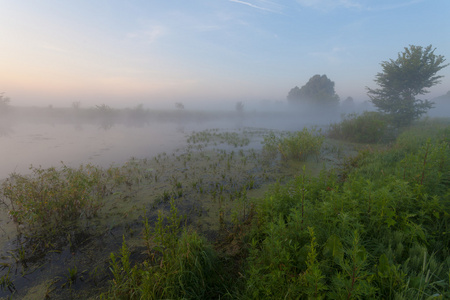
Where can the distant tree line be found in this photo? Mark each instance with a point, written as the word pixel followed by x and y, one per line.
pixel 4 103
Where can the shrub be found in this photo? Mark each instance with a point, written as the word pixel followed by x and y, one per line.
pixel 369 127
pixel 295 145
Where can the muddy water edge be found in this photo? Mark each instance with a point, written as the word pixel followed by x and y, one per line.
pixel 213 180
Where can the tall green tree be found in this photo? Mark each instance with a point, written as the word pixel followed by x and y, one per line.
pixel 318 91
pixel 403 79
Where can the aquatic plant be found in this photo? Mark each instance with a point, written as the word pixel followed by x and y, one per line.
pixel 5 280
pixel 180 264
pixel 49 198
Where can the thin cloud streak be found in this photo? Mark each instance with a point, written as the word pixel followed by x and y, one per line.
pixel 328 5
pixel 393 6
pixel 255 6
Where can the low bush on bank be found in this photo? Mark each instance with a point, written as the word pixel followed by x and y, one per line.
pixel 368 127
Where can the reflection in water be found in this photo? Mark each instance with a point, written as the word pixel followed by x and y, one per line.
pixel 5 130
pixel 106 124
pixel 45 145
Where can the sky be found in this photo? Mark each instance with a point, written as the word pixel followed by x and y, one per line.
pixel 206 52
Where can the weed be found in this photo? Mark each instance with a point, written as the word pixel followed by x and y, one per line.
pixel 298 145
pixel 5 280
pixel 51 197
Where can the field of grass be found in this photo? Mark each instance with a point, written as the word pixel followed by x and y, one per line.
pixel 300 216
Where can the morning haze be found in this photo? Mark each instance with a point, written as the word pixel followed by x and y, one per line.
pixel 243 149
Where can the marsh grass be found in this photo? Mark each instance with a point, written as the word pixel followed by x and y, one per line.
pixel 49 198
pixel 180 264
pixel 5 280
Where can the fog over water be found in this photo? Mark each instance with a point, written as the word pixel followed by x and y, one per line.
pixel 101 135
pixel 46 145
pixel 48 141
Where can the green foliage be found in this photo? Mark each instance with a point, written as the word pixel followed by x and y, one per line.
pixel 353 280
pixel 294 145
pixel 313 279
pixel 180 265
pixel 49 198
pixel 380 232
pixel 368 127
pixel 405 78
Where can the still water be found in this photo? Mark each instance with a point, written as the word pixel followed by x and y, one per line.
pixel 48 145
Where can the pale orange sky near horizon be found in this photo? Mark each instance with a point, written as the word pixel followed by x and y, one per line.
pixel 125 53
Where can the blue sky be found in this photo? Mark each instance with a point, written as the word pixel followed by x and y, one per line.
pixel 218 51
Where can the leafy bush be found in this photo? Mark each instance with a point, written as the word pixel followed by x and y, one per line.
pixel 294 145
pixel 369 127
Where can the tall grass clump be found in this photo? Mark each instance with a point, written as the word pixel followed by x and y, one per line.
pixel 49 198
pixel 180 265
pixel 379 232
pixel 294 145
pixel 368 127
